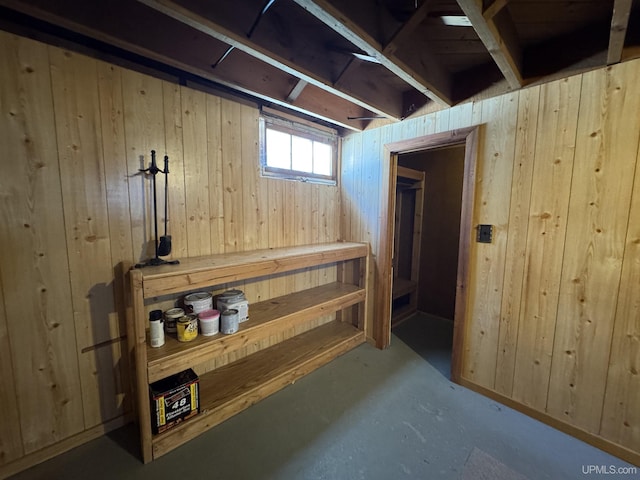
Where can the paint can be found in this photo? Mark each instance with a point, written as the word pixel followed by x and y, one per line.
pixel 187 327
pixel 198 302
pixel 234 300
pixel 209 322
pixel 171 316
pixel 229 321
pixel 156 328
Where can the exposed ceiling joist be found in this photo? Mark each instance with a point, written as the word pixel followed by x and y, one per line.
pixel 332 17
pixel 407 28
pixel 619 25
pixel 493 9
pixel 498 36
pixel 239 41
pixel 296 91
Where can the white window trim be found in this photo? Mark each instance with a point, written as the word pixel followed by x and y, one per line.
pixel 294 127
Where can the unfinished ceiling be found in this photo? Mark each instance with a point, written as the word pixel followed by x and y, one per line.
pixel 347 61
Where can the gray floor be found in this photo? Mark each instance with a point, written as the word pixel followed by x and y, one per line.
pixel 370 414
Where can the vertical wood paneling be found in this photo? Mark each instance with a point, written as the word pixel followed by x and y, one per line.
pixel 216 185
pixel 10 434
pixel 144 131
pixel 598 215
pixel 231 114
pixel 516 243
pixel 35 275
pixel 82 176
pixel 621 415
pixel 173 131
pixel 493 191
pixel 75 209
pixel 255 200
pixel 194 138
pixel 554 154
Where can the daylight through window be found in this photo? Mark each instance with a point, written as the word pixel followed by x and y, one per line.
pixel 297 151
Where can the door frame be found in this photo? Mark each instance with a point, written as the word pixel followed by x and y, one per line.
pixel 469 138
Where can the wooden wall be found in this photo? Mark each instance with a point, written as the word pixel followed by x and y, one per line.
pixel 553 316
pixel 74 132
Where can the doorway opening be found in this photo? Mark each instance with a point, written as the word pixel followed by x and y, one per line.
pixel 401 155
pixel 425 253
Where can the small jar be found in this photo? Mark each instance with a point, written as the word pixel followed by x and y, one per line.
pixel 187 327
pixel 171 316
pixel 209 322
pixel 229 321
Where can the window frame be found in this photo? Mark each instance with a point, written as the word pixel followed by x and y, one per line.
pixel 297 128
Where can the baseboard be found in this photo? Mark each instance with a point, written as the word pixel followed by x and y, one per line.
pixel 65 445
pixel 597 441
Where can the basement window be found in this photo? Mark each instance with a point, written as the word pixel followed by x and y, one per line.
pixel 294 150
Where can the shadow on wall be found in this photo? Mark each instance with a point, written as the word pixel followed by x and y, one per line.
pixel 108 354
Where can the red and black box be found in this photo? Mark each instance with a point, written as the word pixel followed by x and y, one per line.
pixel 173 400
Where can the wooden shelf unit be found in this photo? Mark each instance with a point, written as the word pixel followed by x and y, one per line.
pixel 231 388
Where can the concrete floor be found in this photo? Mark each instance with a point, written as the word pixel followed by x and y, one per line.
pixel 371 415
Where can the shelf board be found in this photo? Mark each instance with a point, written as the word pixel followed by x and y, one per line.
pixel 234 387
pixel 265 318
pixel 201 272
pixel 403 286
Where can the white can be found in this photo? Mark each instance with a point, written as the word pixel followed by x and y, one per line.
pixel 209 322
pixel 198 302
pixel 229 321
pixel 156 328
pixel 234 300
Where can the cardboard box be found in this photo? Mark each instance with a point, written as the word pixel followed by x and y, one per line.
pixel 173 400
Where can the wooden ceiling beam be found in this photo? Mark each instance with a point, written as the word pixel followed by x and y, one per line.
pixel 407 28
pixel 230 74
pixel 340 23
pixel 619 25
pixel 498 36
pixel 493 9
pixel 241 42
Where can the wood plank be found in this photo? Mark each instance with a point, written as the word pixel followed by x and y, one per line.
pixel 232 175
pixel 119 219
pixel 516 244
pixel 82 176
pixel 401 36
pixel 144 131
pixel 620 414
pixel 553 164
pixel 231 389
pixel 10 435
pixel 196 167
pixel 607 146
pixel 496 35
pixel 493 9
pixel 35 275
pixel 619 25
pixel 267 318
pixel 493 194
pixel 200 272
pixel 240 41
pixel 138 338
pixel 337 20
pixel 173 131
pixel 215 161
